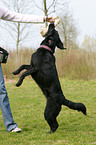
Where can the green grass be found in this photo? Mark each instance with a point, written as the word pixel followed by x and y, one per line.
pixel 28 103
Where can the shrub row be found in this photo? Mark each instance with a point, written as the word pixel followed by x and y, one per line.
pixel 71 64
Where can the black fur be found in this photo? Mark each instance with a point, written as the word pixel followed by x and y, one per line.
pixel 43 70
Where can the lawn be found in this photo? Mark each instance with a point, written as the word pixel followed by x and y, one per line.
pixel 28 103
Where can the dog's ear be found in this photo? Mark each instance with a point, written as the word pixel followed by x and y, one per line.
pixel 59 43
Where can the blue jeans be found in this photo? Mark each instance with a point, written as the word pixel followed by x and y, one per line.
pixel 5 106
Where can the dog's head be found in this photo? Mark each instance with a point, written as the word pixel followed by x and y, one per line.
pixel 52 38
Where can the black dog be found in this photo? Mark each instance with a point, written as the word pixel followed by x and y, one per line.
pixel 43 70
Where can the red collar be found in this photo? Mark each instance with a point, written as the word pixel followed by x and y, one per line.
pixel 46 47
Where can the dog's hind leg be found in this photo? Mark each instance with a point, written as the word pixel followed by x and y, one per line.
pixel 72 105
pixel 22 67
pixel 26 73
pixel 51 112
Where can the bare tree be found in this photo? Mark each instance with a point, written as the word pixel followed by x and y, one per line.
pixel 17 30
pixel 49 7
pixel 89 43
pixel 68 29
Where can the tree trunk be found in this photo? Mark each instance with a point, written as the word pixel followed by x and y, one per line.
pixel 18 38
pixel 45 11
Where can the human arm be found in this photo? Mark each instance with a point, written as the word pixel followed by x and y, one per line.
pixel 8 15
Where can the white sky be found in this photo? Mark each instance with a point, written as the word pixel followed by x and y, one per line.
pixel 84 11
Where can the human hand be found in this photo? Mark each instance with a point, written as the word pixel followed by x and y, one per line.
pixel 49 19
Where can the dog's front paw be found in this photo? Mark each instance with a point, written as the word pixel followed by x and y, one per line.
pixel 18 84
pixel 14 73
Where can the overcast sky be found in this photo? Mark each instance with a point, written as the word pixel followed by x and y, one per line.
pixel 84 11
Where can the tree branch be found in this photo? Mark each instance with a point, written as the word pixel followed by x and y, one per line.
pixel 37 5
pixel 51 4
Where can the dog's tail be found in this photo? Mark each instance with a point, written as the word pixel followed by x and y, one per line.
pixel 75 106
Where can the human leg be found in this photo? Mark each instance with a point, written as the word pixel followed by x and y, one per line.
pixel 5 106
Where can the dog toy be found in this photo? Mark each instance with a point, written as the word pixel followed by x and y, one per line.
pixel 43 30
pixel 56 21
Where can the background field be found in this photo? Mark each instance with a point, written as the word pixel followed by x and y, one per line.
pixel 28 103
pixel 71 64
